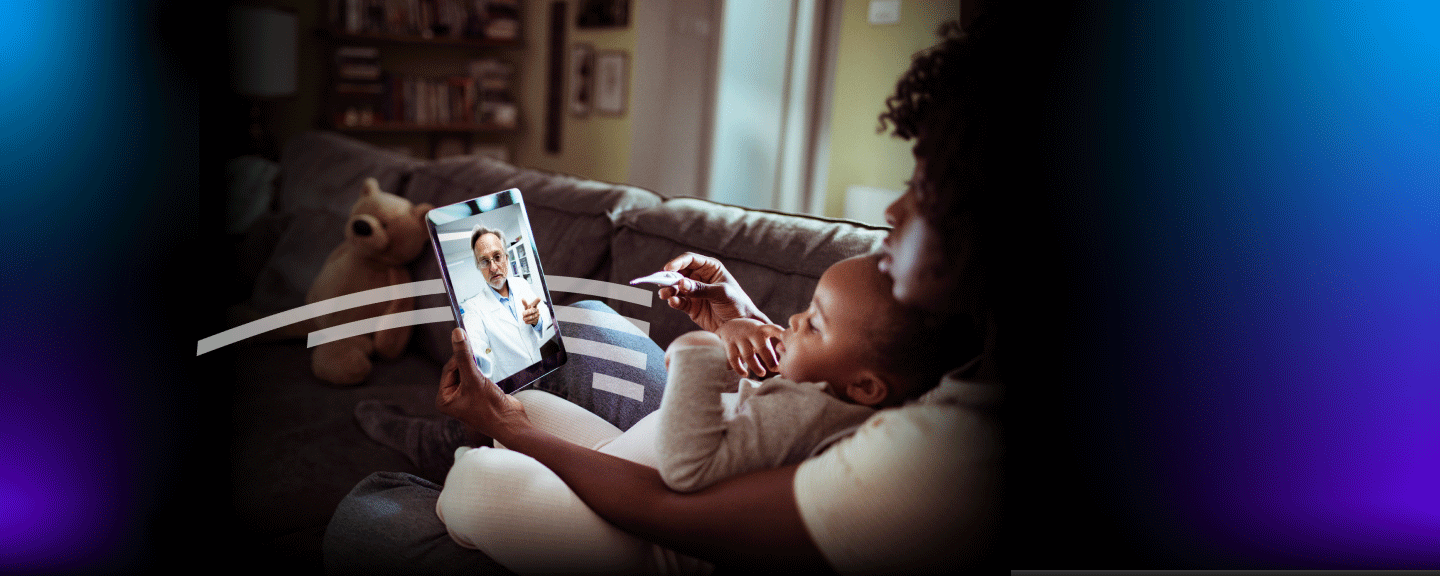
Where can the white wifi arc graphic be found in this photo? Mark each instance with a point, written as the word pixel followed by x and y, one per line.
pixel 444 314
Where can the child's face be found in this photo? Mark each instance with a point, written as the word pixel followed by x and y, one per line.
pixel 828 342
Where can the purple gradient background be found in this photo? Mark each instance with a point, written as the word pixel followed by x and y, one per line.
pixel 1262 281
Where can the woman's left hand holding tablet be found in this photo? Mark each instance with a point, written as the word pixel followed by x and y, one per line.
pixel 468 396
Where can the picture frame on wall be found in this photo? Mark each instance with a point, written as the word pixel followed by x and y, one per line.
pixel 603 14
pixel 582 79
pixel 612 81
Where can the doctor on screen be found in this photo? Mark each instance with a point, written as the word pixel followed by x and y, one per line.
pixel 505 320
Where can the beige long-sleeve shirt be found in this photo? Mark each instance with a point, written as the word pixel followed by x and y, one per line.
pixel 714 424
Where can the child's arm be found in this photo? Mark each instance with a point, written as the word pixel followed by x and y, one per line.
pixel 692 427
pixel 697 446
pixel 749 344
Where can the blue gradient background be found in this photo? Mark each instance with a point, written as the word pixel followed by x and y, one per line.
pixel 97 161
pixel 1261 256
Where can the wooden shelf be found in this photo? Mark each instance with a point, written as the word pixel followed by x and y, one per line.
pixel 439 41
pixel 406 127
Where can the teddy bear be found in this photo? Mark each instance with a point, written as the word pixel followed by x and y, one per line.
pixel 383 234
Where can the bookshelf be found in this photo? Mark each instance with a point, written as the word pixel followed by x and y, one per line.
pixel 431 77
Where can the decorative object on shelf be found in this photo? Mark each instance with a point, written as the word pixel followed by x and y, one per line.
pixel 611 82
pixel 502 19
pixel 359 86
pixel 603 14
pixel 582 79
pixel 495 104
pixel 263 52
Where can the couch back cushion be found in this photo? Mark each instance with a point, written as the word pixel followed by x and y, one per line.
pixel 778 258
pixel 573 221
pixel 321 176
pixel 327 171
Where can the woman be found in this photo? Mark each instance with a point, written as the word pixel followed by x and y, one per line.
pixel 917 488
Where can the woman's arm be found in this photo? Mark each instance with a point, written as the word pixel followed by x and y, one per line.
pixel 747 522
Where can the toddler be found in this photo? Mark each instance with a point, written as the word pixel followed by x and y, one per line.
pixel 853 351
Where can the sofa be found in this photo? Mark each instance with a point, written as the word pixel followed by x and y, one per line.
pixel 295 450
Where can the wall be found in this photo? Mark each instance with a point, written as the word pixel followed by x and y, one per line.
pixel 595 147
pixel 869 60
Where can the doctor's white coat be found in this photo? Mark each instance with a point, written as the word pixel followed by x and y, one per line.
pixel 502 344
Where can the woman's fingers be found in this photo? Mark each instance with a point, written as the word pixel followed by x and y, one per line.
pixel 680 263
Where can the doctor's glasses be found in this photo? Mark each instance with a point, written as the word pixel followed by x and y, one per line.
pixel 494 258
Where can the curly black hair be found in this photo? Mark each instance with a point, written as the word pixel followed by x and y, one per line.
pixel 963 104
pixel 944 102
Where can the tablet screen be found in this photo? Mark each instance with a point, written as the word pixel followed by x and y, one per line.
pixel 497 287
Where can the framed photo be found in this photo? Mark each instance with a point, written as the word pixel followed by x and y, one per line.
pixel 582 79
pixel 603 14
pixel 612 81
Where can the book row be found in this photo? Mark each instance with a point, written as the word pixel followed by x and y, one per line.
pixel 447 100
pixel 471 19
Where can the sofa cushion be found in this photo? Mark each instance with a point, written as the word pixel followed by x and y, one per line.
pixel 778 258
pixel 327 171
pixel 322 174
pixel 298 256
pixel 573 220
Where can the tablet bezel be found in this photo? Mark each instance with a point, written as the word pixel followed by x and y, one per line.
pixel 481 205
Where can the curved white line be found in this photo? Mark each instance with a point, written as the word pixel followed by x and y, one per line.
pixel 423 288
pixel 321 308
pixel 378 323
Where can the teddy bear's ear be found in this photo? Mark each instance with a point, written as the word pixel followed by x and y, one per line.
pixel 372 187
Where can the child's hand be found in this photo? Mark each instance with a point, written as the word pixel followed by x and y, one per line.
pixel 748 343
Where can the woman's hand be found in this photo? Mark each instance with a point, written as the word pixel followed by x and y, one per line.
pixel 713 297
pixel 748 344
pixel 468 396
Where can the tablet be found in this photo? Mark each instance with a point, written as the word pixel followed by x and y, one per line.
pixel 497 287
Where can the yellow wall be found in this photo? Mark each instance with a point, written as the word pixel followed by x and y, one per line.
pixel 869 60
pixel 595 147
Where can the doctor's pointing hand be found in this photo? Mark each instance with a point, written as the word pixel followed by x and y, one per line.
pixel 531 315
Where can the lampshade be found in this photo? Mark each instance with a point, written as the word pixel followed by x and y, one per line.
pixel 262 51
